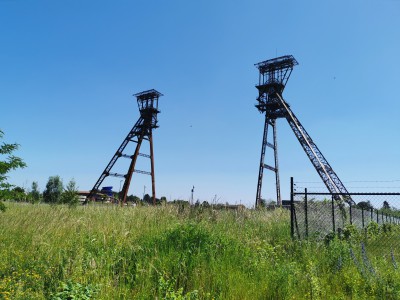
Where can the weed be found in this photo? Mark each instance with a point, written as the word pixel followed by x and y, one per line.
pixel 165 252
pixel 2 206
pixel 72 290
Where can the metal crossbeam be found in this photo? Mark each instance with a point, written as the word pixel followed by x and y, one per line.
pixel 142 172
pixel 117 175
pixel 269 168
pixel 270 145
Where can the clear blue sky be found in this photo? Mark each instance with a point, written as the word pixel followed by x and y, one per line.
pixel 69 69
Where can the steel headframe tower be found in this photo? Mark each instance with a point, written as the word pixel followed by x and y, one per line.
pixel 273 76
pixel 142 130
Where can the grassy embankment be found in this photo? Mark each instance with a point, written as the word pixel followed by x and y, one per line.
pixel 164 252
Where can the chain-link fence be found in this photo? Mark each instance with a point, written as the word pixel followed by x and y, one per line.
pixel 354 231
pixel 316 215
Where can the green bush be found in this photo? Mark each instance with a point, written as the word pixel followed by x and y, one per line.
pixel 167 291
pixel 331 236
pixel 351 233
pixel 2 206
pixel 70 194
pixel 388 228
pixel 72 290
pixel 372 229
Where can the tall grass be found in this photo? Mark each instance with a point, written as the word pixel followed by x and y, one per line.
pixel 109 252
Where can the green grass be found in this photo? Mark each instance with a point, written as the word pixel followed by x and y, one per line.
pixel 109 252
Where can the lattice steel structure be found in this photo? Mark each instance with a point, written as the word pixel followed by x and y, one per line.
pixel 142 130
pixel 273 76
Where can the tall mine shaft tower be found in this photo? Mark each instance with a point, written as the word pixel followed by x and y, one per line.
pixel 273 76
pixel 142 131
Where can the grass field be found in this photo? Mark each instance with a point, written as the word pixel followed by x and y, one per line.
pixel 166 252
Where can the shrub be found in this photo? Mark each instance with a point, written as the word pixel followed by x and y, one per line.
pixel 351 233
pixel 73 290
pixel 329 237
pixel 387 228
pixel 70 194
pixel 53 191
pixel 372 229
pixel 2 207
pixel 167 291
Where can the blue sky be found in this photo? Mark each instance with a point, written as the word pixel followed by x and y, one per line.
pixel 69 69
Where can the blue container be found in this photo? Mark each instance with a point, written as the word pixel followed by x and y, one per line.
pixel 107 190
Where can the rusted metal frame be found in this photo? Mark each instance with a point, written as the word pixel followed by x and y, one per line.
pixel 153 179
pixel 261 166
pixel 131 169
pixel 277 181
pixel 113 160
pixel 321 165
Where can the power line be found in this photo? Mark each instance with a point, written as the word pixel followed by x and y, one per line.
pixel 353 181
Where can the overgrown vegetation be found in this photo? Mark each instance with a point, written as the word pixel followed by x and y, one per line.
pixel 8 162
pixel 175 252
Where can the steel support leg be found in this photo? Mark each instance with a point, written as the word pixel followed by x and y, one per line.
pixel 153 179
pixel 131 169
pixel 277 181
pixel 261 167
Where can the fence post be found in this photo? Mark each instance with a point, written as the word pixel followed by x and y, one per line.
pixel 362 216
pixel 291 208
pixel 377 216
pixel 372 214
pixel 306 211
pixel 333 215
pixel 351 215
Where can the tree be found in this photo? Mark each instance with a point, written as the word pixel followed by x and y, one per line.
pixel 70 195
pixel 386 205
pixel 263 203
pixel 53 191
pixel 34 195
pixel 205 204
pixel 133 199
pixel 163 200
pixel 8 162
pixel 364 205
pixel 147 199
pixel 18 194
